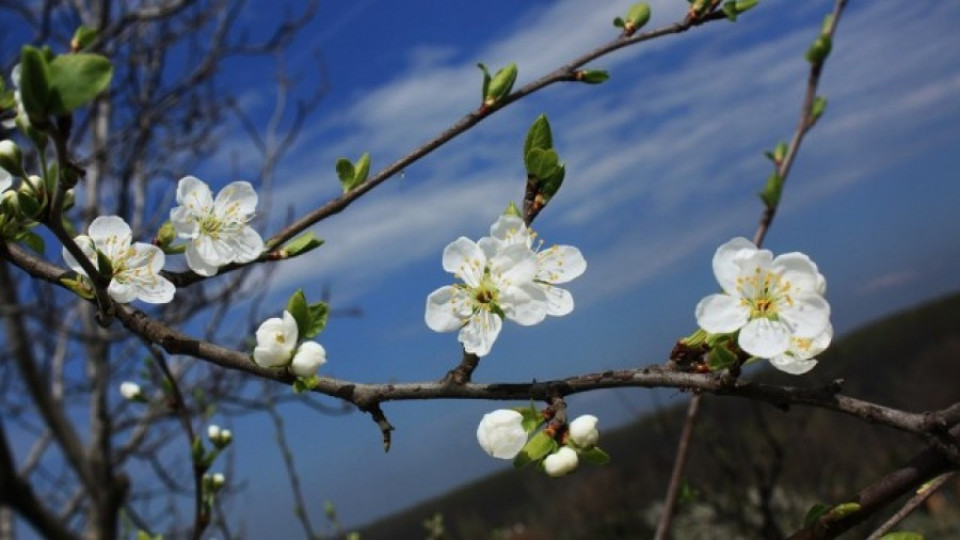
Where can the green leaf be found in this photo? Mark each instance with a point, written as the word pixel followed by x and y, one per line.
pixel 104 264
pixel 538 136
pixel 551 184
pixel 34 82
pixel 512 210
pixel 486 82
pixel 541 163
pixel 844 509
pixel 744 6
pixel 345 172
pixel 537 448
pixel 304 243
pixel 362 169
pixel 501 84
pixel 593 76
pixel 33 241
pixel 638 15
pixel 819 50
pixel 818 107
pixel 29 205
pixel 75 79
pixel 532 419
pixel 730 10
pixel 772 191
pixel 595 456
pixel 902 535
pixel 618 22
pixel 814 514
pixel 721 358
pixel 319 314
pixel 79 286
pixel 197 451
pixel 83 38
pixel 297 306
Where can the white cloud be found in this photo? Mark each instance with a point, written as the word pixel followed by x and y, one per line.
pixel 669 139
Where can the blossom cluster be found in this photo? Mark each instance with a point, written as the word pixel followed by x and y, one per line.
pixel 505 276
pixel 276 342
pixel 776 305
pixel 503 435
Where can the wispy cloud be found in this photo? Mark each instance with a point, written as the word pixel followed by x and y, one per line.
pixel 691 135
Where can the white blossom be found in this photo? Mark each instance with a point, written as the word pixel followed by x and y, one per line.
pixel 130 390
pixel 217 229
pixel 276 340
pixel 501 433
pixel 21 112
pixel 135 265
pixel 563 461
pixel 583 431
pixel 800 357
pixel 309 357
pixel 213 432
pixel 495 286
pixel 6 180
pixel 555 265
pixel 769 300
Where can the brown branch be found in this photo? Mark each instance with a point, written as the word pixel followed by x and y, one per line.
pixel 679 464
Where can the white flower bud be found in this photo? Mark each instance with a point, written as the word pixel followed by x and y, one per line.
pixel 501 433
pixel 225 436
pixel 561 462
pixel 310 356
pixel 213 432
pixel 583 431
pixel 276 339
pixel 11 158
pixel 130 390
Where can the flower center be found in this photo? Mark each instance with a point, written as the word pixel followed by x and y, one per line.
pixel 486 293
pixel 763 292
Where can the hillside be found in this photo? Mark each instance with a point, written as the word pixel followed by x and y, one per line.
pixel 754 469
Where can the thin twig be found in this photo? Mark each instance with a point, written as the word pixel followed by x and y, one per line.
pixel 908 507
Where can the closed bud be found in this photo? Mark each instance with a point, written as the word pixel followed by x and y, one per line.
pixel 500 84
pixel 637 16
pixel 583 431
pixel 820 49
pixel 130 390
pixel 563 461
pixel 11 158
pixel 166 235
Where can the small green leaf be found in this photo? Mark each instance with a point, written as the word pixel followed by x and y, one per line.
pixel 637 16
pixel 29 205
pixel 539 135
pixel 486 82
pixel 844 509
pixel 551 185
pixel 304 243
pixel 538 447
pixel 76 79
pixel 542 164
pixel 512 210
pixel 818 107
pixel 819 50
pixel 305 384
pixel 83 38
pixel 744 6
pixel 902 535
pixel 595 456
pixel 730 10
pixel 772 191
pixel 34 82
pixel 104 264
pixel 345 172
pixel 197 451
pixel 532 419
pixel 593 76
pixel 501 84
pixel 298 308
pixel 33 241
pixel 79 286
pixel 618 22
pixel 362 169
pixel 814 514
pixel 319 314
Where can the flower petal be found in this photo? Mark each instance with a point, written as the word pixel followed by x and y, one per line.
pixel 480 332
pixel 510 230
pixel 271 355
pixel 799 271
pixel 525 305
pixel 5 179
pixel 464 259
pixel 194 194
pixel 196 262
pixel 501 433
pixel 721 313
pixel 560 264
pixel 85 243
pixel 310 356
pixel 791 364
pixel 239 197
pixel 121 293
pixel 725 266
pixel 514 265
pixel 445 309
pixel 764 338
pixel 246 245
pixel 807 316
pixel 559 301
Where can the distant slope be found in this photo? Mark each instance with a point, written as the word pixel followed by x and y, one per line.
pixel 754 469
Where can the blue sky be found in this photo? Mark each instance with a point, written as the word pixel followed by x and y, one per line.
pixel 663 163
